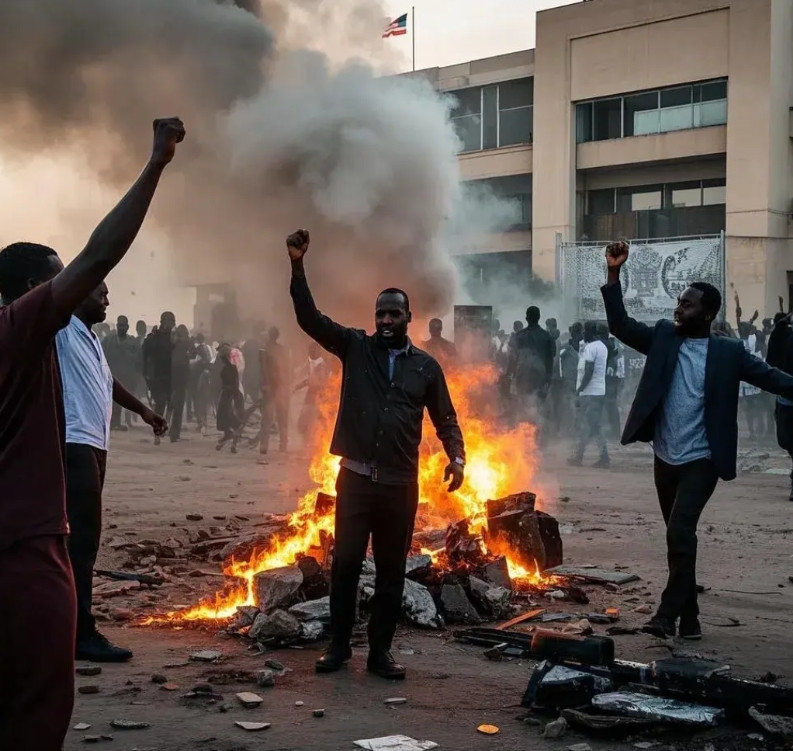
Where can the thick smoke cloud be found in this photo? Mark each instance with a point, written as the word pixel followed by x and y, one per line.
pixel 280 136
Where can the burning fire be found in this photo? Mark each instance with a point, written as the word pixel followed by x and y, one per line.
pixel 500 461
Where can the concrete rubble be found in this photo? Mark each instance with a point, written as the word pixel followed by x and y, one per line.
pixel 277 588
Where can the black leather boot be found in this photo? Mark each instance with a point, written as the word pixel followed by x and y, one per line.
pixel 333 658
pixel 381 662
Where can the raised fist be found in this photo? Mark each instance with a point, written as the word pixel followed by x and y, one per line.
pixel 297 244
pixel 616 254
pixel 168 131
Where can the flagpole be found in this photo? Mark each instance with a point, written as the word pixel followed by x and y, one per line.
pixel 413 34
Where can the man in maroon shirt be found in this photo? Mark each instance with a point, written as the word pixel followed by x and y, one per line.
pixel 39 296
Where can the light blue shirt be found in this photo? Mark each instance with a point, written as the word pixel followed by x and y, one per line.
pixel 680 435
pixel 87 385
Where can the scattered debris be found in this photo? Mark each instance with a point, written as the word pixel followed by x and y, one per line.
pixel 312 610
pixel 318 713
pixel 81 726
pixel 396 700
pixel 265 678
pixel 773 724
pixel 193 517
pixel 249 700
pixel 457 608
pixel 159 678
pixel 299 703
pixel 555 729
pixel 596 575
pixel 252 726
pixel 644 609
pixel 278 626
pixel 169 687
pixel 88 690
pixel 419 607
pixel 276 588
pixel 206 655
pixel 88 670
pixel 395 743
pixel 488 729
pixel 529 615
pixel 658 708
pixel 129 725
pixel 275 665
pixel 311 631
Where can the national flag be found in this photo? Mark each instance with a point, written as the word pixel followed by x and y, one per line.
pixel 397 27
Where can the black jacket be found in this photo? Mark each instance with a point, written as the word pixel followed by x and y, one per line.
pixel 379 419
pixel 728 363
pixel 532 352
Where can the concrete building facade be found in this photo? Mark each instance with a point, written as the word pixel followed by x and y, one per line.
pixel 642 119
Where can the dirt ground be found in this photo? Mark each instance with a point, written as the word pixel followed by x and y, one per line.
pixel 609 518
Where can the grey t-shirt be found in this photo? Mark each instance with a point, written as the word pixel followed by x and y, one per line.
pixel 680 435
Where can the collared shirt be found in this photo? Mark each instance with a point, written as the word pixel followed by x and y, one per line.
pixel 680 435
pixel 87 385
pixel 32 476
pixel 383 398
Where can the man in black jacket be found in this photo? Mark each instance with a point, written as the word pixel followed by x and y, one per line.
pixel 780 355
pixel 386 385
pixel 687 406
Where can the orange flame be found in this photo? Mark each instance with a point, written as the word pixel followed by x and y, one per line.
pixel 499 461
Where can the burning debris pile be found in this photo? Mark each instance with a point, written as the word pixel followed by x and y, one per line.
pixel 466 581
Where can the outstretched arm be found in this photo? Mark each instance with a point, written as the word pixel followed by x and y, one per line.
pixel 753 370
pixel 332 336
pixel 638 336
pixel 444 418
pixel 112 238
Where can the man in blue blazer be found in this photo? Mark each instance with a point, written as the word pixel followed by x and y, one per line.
pixel 686 405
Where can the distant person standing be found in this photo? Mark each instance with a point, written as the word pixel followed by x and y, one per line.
pixel 441 349
pixel 181 354
pixel 276 378
pixel 123 356
pixel 591 392
pixel 252 377
pixel 90 391
pixel 157 354
pixel 231 400
pixel 317 373
pixel 568 369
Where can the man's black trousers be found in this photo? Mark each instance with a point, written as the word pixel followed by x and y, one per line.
pixel 387 513
pixel 85 478
pixel 683 490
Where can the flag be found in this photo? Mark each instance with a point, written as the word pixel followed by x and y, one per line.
pixel 397 27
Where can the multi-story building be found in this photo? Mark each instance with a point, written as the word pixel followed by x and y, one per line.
pixel 638 119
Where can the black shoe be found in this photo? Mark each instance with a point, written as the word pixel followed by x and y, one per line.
pixel 97 648
pixel 382 663
pixel 659 626
pixel 333 658
pixel 689 629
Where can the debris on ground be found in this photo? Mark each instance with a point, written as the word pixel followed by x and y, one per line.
pixel 488 729
pixel 206 655
pixel 555 729
pixel 252 726
pixel 395 743
pixel 249 700
pixel 88 670
pixel 658 708
pixel 129 725
pixel 318 713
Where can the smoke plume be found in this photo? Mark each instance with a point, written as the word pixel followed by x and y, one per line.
pixel 282 133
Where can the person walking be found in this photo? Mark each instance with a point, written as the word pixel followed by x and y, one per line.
pixel 687 367
pixel 387 385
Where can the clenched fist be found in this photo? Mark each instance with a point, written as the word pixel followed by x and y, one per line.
pixel 616 254
pixel 168 131
pixel 297 244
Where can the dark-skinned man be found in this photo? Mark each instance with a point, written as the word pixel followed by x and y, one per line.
pixel 387 384
pixel 123 357
pixel 441 349
pixel 686 368
pixel 89 393
pixel 39 297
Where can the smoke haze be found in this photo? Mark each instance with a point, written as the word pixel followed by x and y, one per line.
pixel 281 134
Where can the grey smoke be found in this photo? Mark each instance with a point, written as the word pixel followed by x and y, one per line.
pixel 280 137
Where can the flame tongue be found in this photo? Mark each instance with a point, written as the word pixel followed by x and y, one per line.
pixel 499 462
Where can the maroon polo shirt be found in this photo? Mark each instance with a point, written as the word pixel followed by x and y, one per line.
pixel 32 476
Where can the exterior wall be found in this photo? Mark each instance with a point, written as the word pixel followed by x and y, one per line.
pixel 677 172
pixel 512 160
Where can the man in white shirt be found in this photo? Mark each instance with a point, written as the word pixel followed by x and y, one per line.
pixel 591 391
pixel 89 391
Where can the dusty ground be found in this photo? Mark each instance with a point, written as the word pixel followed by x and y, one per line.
pixel 610 519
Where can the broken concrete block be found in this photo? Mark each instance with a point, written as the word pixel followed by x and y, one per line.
pixel 81 726
pixel 498 600
pixel 479 589
pixel 309 566
pixel 419 607
pixel 396 700
pixel 276 588
pixel 418 564
pixel 245 616
pixel 456 606
pixel 265 678
pixel 252 726
pixel 278 625
pixel 497 573
pixel 311 630
pixel 249 700
pixel 774 724
pixel 275 665
pixel 129 725
pixel 206 655
pixel 313 610
pixel 555 729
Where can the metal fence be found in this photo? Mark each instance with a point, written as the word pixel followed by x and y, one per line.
pixel 657 270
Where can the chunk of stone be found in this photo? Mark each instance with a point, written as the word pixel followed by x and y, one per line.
pixel 278 625
pixel 498 600
pixel 418 564
pixel 276 588
pixel 245 616
pixel 555 729
pixel 265 678
pixel 249 700
pixel 206 655
pixel 252 726
pixel 275 665
pixel 88 690
pixel 318 713
pixel 309 566
pixel 457 608
pixel 159 678
pixel 311 630
pixel 129 724
pixel 497 573
pixel 193 517
pixel 88 670
pixel 395 700
pixel 81 726
pixel 313 610
pixel 419 607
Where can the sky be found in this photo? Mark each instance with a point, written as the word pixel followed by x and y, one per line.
pixel 455 31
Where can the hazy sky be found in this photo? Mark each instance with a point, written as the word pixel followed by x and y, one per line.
pixel 455 31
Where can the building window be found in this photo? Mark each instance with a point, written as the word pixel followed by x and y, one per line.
pixel 514 189
pixel 660 111
pixel 653 197
pixel 490 117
